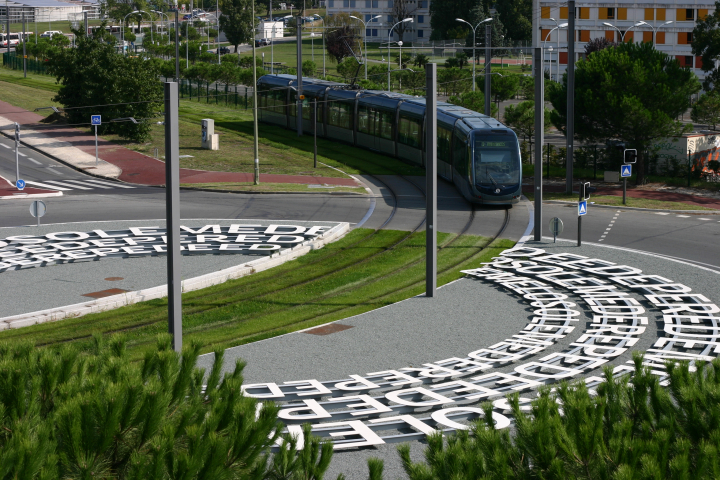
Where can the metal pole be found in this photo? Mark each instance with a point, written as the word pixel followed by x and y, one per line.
pixel 488 60
pixel 24 40
pixel 624 190
pixel 580 199
pixel 85 22
pixel 177 46
pixel 255 104
pixel 539 139
pixel 474 53
pixel 298 111
pixel 431 179
pixel 17 148
pixel 96 147
pixel 388 89
pixel 365 47
pixel 187 44
pixel 217 35
pixel 7 30
pixel 172 213
pixel 570 97
pixel 689 169
pixel 315 133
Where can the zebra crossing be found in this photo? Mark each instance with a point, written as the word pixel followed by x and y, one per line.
pixel 73 184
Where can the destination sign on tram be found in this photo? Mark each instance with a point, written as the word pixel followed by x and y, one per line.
pixel 493 144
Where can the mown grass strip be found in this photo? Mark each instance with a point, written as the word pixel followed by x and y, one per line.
pixel 358 273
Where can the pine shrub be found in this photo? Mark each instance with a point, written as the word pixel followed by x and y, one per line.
pixel 632 429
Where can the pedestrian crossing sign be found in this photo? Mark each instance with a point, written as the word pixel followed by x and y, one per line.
pixel 582 208
pixel 626 171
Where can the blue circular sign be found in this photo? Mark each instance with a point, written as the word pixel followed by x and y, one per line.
pixel 20 184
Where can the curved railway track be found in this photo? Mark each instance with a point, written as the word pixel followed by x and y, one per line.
pixel 257 292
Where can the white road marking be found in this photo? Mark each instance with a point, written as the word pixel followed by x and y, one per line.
pixel 612 223
pixel 45 185
pixel 683 216
pixel 6 146
pixel 52 170
pixel 662 213
pixel 22 154
pixel 115 185
pixel 64 184
pixel 703 219
pixel 34 161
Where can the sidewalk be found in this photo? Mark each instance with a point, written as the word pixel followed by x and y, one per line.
pixel 636 193
pixel 77 148
pixel 8 191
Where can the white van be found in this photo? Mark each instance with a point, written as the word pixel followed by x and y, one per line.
pixel 50 33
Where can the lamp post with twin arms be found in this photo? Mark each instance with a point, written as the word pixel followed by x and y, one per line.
pixel 655 29
pixel 557 63
pixel 123 29
pixel 409 19
pixel 365 36
pixel 473 50
pixel 622 34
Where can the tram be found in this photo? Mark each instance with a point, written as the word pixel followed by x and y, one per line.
pixel 478 154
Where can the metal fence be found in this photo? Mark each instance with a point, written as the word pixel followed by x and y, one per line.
pixel 15 62
pixel 237 96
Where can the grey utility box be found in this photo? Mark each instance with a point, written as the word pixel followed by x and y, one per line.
pixel 210 139
pixel 612 177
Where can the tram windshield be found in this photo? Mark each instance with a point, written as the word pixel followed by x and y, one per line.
pixel 496 160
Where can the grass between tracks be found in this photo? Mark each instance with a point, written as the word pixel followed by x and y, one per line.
pixel 281 151
pixel 359 273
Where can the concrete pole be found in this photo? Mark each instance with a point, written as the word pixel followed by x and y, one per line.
pixel 474 58
pixel 298 110
pixel 17 149
pixel 172 213
pixel 539 139
pixel 570 97
pixel 536 33
pixel 85 22
pixel 488 61
pixel 431 179
pixel 7 30
pixel 255 107
pixel 22 37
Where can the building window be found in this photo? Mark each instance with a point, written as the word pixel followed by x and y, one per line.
pixel 367 17
pixel 421 18
pixel 564 13
pixel 647 37
pixel 374 3
pixel 684 38
pixel 346 3
pixel 660 14
pixel 660 38
pixel 688 61
pixel 390 4
pixel 544 12
pixel 610 14
pixel 622 13
pixel 367 32
pixel 649 14
pixel 606 13
pixel 422 4
pixel 629 36
pixel 544 34
pixel 610 35
pixel 685 15
pixel 367 5
pixel 584 35
pixel 331 3
pixel 374 32
pixel 421 33
pixel 702 13
pixel 583 13
pixel 352 3
pixel 390 19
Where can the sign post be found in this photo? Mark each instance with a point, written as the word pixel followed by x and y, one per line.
pixel 582 207
pixel 17 146
pixel 556 227
pixel 431 179
pixel 96 120
pixel 37 210
pixel 629 157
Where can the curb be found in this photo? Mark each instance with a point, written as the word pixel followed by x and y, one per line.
pixel 200 189
pixel 695 212
pixel 196 283
pixel 57 193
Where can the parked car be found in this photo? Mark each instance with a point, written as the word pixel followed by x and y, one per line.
pixel 224 50
pixel 187 17
pixel 263 42
pixel 50 33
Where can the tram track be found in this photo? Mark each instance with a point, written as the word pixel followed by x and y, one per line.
pixel 255 294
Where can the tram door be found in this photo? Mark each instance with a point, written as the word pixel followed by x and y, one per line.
pixel 443 153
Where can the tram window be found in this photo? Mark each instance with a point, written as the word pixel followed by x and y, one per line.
pixel 443 144
pixel 386 125
pixel 364 120
pixel 292 106
pixel 339 114
pixel 307 109
pixel 459 159
pixel 409 132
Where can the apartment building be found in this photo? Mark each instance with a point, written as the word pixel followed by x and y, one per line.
pixel 668 25
pixel 378 30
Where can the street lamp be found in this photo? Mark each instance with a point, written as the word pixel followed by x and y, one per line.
pixel 562 25
pixel 622 34
pixel 655 29
pixel 365 36
pixel 409 19
pixel 123 28
pixel 474 29
pixel 132 13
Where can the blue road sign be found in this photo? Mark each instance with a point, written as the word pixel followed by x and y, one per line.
pixel 626 170
pixel 95 120
pixel 20 184
pixel 582 208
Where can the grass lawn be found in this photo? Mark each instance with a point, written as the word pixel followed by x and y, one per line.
pixel 280 150
pixel 272 187
pixel 616 201
pixel 361 272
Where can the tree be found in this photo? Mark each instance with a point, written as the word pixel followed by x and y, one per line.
pixel 344 39
pixel 497 35
pixel 707 109
pixel 443 14
pixel 474 101
pixel 421 60
pixel 402 9
pixel 237 21
pixel 632 93
pixel 309 68
pixel 521 118
pixel 348 68
pixel 516 15
pixel 597 44
pixel 501 88
pixel 115 86
pixel 458 61
pixel 706 44
pixel 636 429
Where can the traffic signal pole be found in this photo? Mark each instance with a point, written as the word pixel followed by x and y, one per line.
pixel 539 139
